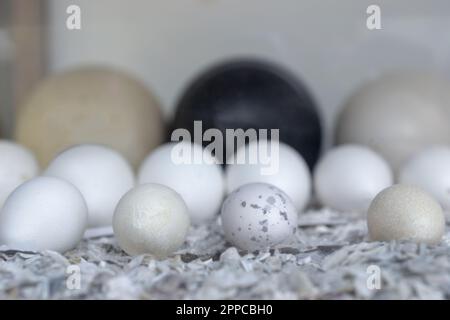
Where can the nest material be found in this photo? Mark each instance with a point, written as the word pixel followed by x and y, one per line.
pixel 328 259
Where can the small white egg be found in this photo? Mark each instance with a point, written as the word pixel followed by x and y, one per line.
pixel 348 177
pixel 258 216
pixel 286 170
pixel 430 171
pixel 44 213
pixel 151 218
pixel 199 181
pixel 17 164
pixel 403 212
pixel 102 175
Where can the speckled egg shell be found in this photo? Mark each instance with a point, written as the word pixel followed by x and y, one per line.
pixel 258 216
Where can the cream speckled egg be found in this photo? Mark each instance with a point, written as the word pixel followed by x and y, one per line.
pixel 17 164
pixel 403 212
pixel 151 218
pixel 258 216
pixel 201 183
pixel 397 115
pixel 44 213
pixel 430 170
pixel 286 170
pixel 348 177
pixel 101 174
pixel 90 105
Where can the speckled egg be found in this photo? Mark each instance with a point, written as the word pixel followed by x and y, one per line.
pixel 258 216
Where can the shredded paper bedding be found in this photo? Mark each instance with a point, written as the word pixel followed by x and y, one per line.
pixel 330 258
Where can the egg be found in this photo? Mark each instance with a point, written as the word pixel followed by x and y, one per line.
pixel 258 216
pixel 429 169
pixel 397 115
pixel 91 104
pixel 404 212
pixel 286 170
pixel 151 218
pixel 17 164
pixel 200 183
pixel 44 213
pixel 102 175
pixel 252 94
pixel 348 177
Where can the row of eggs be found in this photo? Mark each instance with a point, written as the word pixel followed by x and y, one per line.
pixel 82 187
pixel 396 114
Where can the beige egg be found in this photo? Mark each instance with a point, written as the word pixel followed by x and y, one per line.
pixel 397 115
pixel 404 212
pixel 90 105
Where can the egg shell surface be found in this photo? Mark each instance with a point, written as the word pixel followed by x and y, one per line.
pixel 201 184
pixel 403 212
pixel 258 216
pixel 44 213
pixel 286 170
pixel 102 175
pixel 151 218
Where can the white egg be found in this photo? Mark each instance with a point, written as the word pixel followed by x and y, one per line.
pixel 17 164
pixel 200 182
pixel 151 218
pixel 101 174
pixel 348 177
pixel 258 216
pixel 403 212
pixel 44 213
pixel 430 170
pixel 285 169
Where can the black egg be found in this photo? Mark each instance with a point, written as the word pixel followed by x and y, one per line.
pixel 253 94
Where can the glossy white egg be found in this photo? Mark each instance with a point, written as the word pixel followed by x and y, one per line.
pixel 258 216
pixel 17 165
pixel 151 218
pixel 430 170
pixel 348 177
pixel 44 213
pixel 277 164
pixel 403 212
pixel 101 174
pixel 199 181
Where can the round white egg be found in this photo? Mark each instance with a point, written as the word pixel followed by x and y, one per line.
pixel 151 218
pixel 44 213
pixel 101 174
pixel 279 165
pixel 397 115
pixel 192 172
pixel 348 177
pixel 258 216
pixel 430 170
pixel 17 165
pixel 404 212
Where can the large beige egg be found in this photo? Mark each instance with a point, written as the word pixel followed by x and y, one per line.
pixel 90 105
pixel 397 115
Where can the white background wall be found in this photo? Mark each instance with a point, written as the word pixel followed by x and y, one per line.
pixel 326 43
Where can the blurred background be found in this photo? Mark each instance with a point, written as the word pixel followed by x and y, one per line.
pixel 166 43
